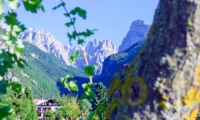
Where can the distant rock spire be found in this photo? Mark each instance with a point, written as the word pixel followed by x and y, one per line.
pixel 46 42
pixel 137 32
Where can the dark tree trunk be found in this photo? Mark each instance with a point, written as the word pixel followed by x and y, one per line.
pixel 162 83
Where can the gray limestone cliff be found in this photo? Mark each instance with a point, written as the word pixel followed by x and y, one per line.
pixel 137 32
pixel 46 42
pixel 97 52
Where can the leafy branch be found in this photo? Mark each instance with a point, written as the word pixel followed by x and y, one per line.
pixel 11 55
pixel 75 34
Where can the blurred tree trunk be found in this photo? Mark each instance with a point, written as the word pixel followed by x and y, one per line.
pixel 163 82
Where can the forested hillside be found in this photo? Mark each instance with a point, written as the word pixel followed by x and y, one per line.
pixel 42 72
pixel 116 61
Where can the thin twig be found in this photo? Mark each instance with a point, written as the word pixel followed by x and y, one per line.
pixel 83 50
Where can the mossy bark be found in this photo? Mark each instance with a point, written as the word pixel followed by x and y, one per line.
pixel 163 81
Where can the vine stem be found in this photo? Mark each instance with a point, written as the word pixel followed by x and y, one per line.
pixel 83 49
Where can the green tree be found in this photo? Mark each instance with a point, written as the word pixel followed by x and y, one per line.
pixel 85 107
pixel 58 115
pixel 49 114
pixel 69 107
pixel 33 114
pixel 100 99
pixel 11 40
pixel 21 106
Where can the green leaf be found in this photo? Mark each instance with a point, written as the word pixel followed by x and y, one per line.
pixel 80 12
pixel 68 76
pixel 87 86
pixel 2 7
pixel 69 36
pixel 73 59
pixel 58 6
pixel 11 18
pixel 81 41
pixel 87 33
pixel 88 95
pixel 16 87
pixel 72 36
pixel 89 70
pixel 67 14
pixel 62 80
pixel 33 5
pixel 69 24
pixel 66 85
pixel 74 56
pixel 20 51
pixel 73 86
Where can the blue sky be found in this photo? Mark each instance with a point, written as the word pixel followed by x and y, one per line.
pixel 112 18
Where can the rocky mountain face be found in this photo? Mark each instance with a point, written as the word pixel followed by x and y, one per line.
pixel 115 61
pixel 46 42
pixel 97 52
pixel 138 31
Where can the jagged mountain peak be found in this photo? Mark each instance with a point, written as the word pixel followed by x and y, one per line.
pixel 97 51
pixel 139 22
pixel 138 31
pixel 47 42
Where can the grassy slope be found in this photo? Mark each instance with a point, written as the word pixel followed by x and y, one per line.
pixel 45 70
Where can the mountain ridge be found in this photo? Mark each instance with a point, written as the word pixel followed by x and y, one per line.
pixel 137 31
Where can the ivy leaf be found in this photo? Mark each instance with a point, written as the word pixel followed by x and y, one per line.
pixel 19 50
pixel 81 41
pixel 87 87
pixel 67 14
pixel 62 80
pixel 68 76
pixel 74 56
pixel 2 7
pixel 87 33
pixel 69 36
pixel 79 11
pixel 66 85
pixel 73 86
pixel 69 24
pixel 16 87
pixel 11 18
pixel 89 70
pixel 88 93
pixel 72 36
pixel 33 5
pixel 58 6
